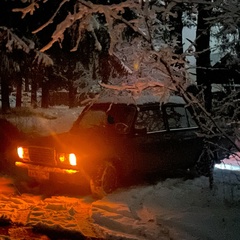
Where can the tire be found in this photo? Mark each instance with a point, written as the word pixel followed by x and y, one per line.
pixel 105 180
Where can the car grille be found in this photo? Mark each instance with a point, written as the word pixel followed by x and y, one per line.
pixel 42 155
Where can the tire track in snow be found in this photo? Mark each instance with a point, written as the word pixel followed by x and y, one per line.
pixel 128 218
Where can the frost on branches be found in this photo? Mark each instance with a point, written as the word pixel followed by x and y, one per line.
pixel 146 55
pixel 10 42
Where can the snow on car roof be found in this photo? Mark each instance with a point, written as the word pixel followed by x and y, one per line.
pixel 176 99
pixel 139 100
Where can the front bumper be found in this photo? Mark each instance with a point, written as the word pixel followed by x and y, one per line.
pixel 44 173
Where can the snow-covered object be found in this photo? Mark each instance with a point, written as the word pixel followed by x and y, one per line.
pixel 140 99
pixel 170 209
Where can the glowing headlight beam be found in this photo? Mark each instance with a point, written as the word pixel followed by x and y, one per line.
pixel 229 167
pixel 22 153
pixel 72 159
pixel 232 163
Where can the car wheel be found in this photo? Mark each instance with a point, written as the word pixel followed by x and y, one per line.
pixel 105 180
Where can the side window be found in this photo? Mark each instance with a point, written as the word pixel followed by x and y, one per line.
pixel 151 120
pixel 192 122
pixel 179 117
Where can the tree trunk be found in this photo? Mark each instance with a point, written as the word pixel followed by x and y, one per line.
pixel 72 95
pixel 34 94
pixel 19 93
pixel 26 85
pixel 45 94
pixel 5 94
pixel 203 54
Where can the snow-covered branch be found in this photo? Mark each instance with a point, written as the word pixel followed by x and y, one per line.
pixel 12 41
pixel 29 9
pixel 43 59
pixel 52 18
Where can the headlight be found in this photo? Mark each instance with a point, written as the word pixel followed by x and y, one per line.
pixel 72 159
pixel 23 153
pixel 68 158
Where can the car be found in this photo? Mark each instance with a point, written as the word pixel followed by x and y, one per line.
pixel 113 141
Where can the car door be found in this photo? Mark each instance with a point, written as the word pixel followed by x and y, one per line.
pixel 149 139
pixel 184 145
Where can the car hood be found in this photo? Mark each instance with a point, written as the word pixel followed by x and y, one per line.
pixel 90 141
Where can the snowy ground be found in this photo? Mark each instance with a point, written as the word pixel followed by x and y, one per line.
pixel 173 209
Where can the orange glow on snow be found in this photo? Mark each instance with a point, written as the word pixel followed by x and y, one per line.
pixel 6 185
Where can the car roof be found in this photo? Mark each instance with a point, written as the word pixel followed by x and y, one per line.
pixel 142 100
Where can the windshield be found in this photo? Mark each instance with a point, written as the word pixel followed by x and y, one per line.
pixel 93 118
pixel 107 116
